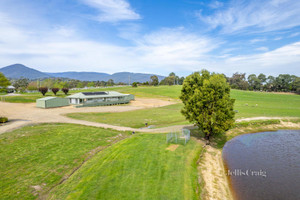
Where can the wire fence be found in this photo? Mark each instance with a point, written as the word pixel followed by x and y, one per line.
pixel 179 137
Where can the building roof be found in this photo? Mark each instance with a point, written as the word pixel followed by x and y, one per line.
pixel 93 95
pixel 47 98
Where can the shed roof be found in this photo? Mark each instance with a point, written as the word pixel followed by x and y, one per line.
pixel 47 98
pixel 93 95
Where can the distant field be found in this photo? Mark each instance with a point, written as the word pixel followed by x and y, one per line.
pixel 42 155
pixel 248 104
pixel 136 168
pixel 265 104
pixel 162 92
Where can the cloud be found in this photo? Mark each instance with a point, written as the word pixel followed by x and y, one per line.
pixel 255 16
pixel 258 40
pixel 60 49
pixel 278 38
pixel 176 47
pixel 262 48
pixel 294 34
pixel 113 10
pixel 285 59
pixel 215 4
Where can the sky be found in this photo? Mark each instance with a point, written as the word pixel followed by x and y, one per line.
pixel 152 36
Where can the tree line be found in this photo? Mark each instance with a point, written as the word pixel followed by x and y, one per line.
pixel 280 83
pixel 24 84
pixel 261 82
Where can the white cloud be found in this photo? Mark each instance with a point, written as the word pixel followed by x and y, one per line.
pixel 282 60
pixel 178 48
pixel 258 40
pixel 294 34
pixel 60 49
pixel 113 10
pixel 255 16
pixel 262 48
pixel 216 4
pixel 278 38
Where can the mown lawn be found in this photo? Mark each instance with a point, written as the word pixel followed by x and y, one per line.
pixel 247 104
pixel 254 104
pixel 157 117
pixel 42 155
pixel 139 167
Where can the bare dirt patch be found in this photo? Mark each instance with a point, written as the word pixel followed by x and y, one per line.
pixel 37 187
pixel 22 114
pixel 172 147
pixel 262 118
pixel 150 103
pixel 216 186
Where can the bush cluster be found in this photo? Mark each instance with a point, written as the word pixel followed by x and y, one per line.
pixel 3 119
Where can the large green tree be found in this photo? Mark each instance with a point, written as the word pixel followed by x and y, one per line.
pixel 238 81
pixel 154 80
pixel 207 102
pixel 4 82
pixel 254 82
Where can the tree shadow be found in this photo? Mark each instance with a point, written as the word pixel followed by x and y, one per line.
pixel 217 141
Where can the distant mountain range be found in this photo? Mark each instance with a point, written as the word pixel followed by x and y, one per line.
pixel 18 70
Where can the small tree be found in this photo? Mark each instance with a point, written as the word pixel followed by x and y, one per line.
pixel 207 102
pixel 43 90
pixel 32 86
pixel 65 90
pixel 134 84
pixel 21 84
pixel 4 82
pixel 55 90
pixel 154 80
pixel 110 82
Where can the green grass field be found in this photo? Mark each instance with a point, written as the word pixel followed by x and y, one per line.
pixel 42 155
pixel 268 104
pixel 248 104
pixel 161 92
pixel 157 117
pixel 136 168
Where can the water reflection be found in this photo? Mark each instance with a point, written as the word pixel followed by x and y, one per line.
pixel 264 165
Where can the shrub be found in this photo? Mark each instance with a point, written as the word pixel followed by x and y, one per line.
pixel 65 90
pixel 55 90
pixel 32 86
pixel 134 84
pixel 3 119
pixel 43 90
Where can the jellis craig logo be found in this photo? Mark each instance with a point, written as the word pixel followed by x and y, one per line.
pixel 247 172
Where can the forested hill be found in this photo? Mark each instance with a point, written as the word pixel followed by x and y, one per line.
pixel 17 71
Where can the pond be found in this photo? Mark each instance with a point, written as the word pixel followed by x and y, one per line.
pixel 264 165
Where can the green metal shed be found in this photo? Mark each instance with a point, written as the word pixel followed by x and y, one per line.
pixel 101 98
pixel 51 102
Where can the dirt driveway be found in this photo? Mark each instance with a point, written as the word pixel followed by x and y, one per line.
pixel 21 114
